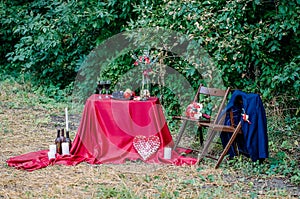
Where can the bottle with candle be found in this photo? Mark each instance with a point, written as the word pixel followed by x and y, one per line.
pixel 68 140
pixel 58 142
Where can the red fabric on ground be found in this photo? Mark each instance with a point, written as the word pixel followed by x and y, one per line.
pixel 105 136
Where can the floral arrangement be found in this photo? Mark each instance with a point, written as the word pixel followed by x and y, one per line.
pixel 146 62
pixel 194 110
pixel 146 146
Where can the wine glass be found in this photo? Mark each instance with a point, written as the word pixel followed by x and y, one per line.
pixel 107 86
pixel 101 88
pixel 97 88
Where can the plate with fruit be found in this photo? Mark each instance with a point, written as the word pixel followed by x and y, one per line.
pixel 123 95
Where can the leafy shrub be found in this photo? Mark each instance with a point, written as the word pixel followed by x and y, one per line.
pixel 47 39
pixel 247 39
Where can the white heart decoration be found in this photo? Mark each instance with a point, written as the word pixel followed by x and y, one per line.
pixel 146 146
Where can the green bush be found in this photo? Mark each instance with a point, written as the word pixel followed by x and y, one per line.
pixel 48 40
pixel 250 41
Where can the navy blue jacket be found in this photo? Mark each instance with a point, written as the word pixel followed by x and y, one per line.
pixel 254 140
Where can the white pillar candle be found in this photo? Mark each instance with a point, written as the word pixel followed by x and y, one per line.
pixel 65 148
pixel 52 148
pixel 167 153
pixel 67 119
pixel 51 155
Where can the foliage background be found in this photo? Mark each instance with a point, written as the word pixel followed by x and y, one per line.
pixel 254 43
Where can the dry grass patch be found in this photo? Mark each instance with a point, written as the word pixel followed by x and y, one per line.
pixel 28 125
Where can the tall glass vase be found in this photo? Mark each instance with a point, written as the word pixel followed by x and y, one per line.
pixel 145 87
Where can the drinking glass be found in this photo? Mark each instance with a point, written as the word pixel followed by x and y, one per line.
pixel 107 86
pixel 97 88
pixel 101 88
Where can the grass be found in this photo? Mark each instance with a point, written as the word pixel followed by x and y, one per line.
pixel 28 123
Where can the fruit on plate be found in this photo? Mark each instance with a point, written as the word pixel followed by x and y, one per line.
pixel 128 94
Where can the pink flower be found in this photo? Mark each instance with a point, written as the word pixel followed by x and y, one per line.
pixel 194 110
pixel 145 73
pixel 147 60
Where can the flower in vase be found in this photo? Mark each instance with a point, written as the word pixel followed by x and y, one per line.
pixel 145 62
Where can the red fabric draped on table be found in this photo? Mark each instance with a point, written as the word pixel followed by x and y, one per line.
pixel 106 135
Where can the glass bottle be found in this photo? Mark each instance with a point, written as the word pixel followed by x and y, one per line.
pixel 58 142
pixel 62 137
pixel 68 140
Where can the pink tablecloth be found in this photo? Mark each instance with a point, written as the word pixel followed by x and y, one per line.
pixel 106 134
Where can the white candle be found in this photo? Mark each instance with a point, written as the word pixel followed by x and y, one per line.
pixel 67 122
pixel 65 148
pixel 52 148
pixel 167 153
pixel 51 155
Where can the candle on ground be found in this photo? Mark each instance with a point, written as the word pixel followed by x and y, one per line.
pixel 167 152
pixel 52 148
pixel 65 148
